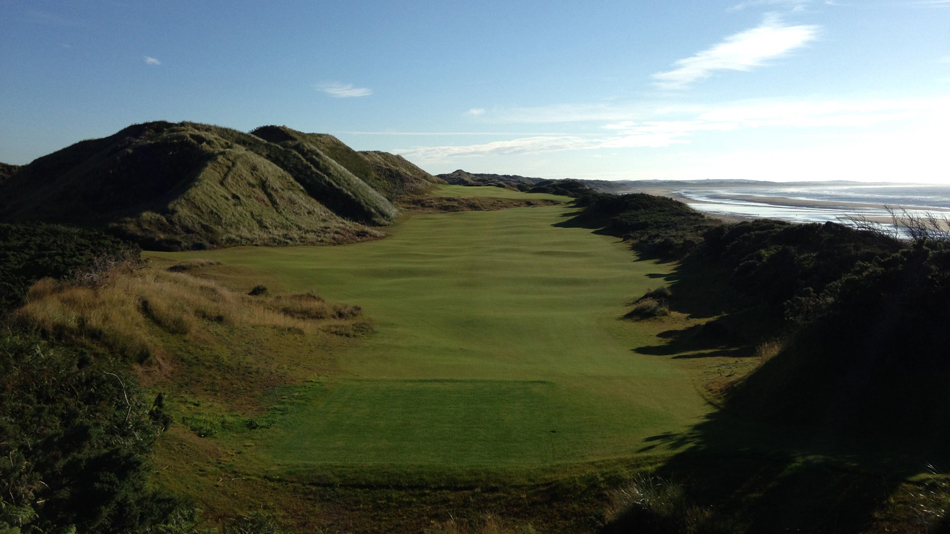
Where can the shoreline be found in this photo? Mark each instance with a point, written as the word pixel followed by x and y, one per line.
pixel 733 204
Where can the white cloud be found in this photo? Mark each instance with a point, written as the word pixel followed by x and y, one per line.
pixel 742 51
pixel 564 113
pixel 526 145
pixel 475 112
pixel 856 113
pixel 339 90
pixel 796 5
pixel 152 61
pixel 623 132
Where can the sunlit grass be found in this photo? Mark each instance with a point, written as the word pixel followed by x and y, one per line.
pixel 121 313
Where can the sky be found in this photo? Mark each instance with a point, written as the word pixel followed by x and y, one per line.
pixel 597 89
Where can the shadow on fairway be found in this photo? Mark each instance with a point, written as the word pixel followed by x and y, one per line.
pixel 741 477
pixel 698 341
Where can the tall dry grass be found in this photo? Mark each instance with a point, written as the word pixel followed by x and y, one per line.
pixel 488 524
pixel 123 312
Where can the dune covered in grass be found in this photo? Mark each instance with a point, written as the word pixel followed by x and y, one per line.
pixel 183 186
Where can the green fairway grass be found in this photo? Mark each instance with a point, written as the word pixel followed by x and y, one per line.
pixel 498 342
pixel 485 191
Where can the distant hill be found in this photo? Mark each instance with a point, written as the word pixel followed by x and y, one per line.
pixel 511 181
pixel 570 186
pixel 187 185
pixel 395 176
pixel 6 170
pixel 390 175
pixel 616 187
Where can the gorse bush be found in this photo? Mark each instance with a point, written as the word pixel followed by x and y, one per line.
pixel 769 262
pixel 658 227
pixel 31 252
pixel 647 308
pixel 75 434
pixel 653 504
pixel 869 352
pixel 652 304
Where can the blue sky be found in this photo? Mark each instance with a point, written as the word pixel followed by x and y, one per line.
pixel 651 89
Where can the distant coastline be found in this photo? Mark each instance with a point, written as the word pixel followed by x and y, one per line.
pixel 805 202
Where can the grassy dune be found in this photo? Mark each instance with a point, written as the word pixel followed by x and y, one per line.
pixel 498 344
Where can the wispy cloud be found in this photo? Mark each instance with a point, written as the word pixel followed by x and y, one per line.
pixel 742 51
pixel 525 145
pixel 475 112
pixel 563 113
pixel 795 5
pixel 627 133
pixel 340 90
pixel 152 61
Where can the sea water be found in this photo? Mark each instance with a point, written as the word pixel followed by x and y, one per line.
pixel 820 202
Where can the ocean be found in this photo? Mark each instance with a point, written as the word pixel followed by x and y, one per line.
pixel 820 202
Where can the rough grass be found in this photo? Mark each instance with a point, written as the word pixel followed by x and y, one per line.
pixel 654 303
pixel 389 174
pixel 120 313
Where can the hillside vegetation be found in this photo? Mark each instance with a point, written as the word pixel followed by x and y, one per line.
pixel 191 186
pixel 6 170
pixel 78 431
pixel 855 317
pixel 30 252
pixel 389 174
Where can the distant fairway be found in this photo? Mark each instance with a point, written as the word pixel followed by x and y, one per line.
pixel 498 343
pixel 491 192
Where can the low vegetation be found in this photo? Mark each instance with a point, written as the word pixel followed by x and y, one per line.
pixel 77 432
pixel 29 252
pixel 656 227
pixel 120 312
pixel 7 170
pixel 653 303
pixel 75 437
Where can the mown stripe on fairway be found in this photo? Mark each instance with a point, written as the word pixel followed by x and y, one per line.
pixel 448 422
pixel 459 422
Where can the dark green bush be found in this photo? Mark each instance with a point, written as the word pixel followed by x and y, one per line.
pixel 75 435
pixel 657 227
pixel 870 352
pixel 29 252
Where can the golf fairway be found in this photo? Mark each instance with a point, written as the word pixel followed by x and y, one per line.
pixel 498 342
